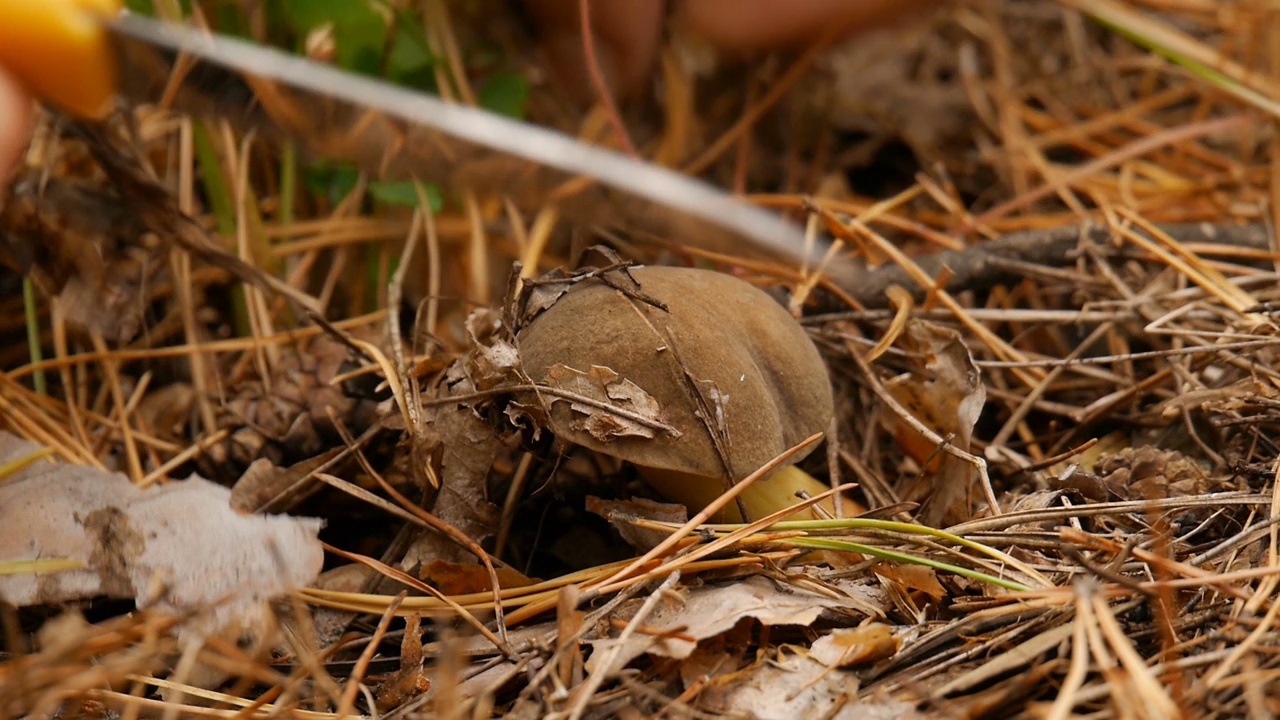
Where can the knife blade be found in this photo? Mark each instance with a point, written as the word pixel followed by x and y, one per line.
pixel 393 132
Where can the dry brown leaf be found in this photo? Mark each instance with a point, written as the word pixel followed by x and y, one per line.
pixel 799 687
pixel 847 647
pixel 461 578
pixel 606 386
pixel 895 83
pixel 411 680
pixel 491 360
pixel 83 246
pixel 947 395
pixel 621 514
pixel 165 411
pixel 542 293
pixel 912 577
pixel 708 611
pixel 467 446
pixel 266 486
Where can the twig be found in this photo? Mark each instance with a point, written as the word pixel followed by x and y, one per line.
pixel 979 266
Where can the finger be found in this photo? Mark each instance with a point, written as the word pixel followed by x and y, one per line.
pixel 745 25
pixel 16 120
pixel 626 42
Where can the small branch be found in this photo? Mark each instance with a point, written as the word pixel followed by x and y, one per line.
pixel 987 264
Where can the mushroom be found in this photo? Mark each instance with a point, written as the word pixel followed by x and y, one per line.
pixel 713 377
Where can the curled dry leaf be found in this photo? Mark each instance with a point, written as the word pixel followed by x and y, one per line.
pixel 542 293
pixel 1040 500
pixel 912 577
pixel 947 395
pixel 411 680
pixel 622 515
pixel 847 647
pixel 794 686
pixel 709 611
pixel 492 359
pixel 266 487
pixel 614 392
pixel 465 446
pixel 179 548
pixel 458 579
pixel 82 246
pixel 463 443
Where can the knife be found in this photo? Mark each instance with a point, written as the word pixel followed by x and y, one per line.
pixel 386 130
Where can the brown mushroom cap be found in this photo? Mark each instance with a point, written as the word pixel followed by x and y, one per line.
pixel 732 338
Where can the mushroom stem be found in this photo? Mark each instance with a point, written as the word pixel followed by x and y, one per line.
pixel 780 490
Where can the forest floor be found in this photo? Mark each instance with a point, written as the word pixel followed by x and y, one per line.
pixel 1047 318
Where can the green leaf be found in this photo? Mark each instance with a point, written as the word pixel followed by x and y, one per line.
pixel 336 180
pixel 332 180
pixel 409 60
pixel 359 29
pixel 404 193
pixel 232 20
pixel 905 558
pixel 506 93
pixel 148 7
pixel 217 190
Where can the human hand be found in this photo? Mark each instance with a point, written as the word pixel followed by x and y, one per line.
pixel 16 120
pixel 628 33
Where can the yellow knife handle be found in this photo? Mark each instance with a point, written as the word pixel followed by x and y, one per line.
pixel 61 52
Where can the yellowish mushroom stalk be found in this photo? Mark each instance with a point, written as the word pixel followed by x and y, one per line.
pixel 786 486
pixel 695 377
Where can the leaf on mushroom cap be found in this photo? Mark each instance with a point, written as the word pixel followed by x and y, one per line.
pixel 729 369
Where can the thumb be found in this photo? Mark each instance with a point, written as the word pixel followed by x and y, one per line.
pixel 16 120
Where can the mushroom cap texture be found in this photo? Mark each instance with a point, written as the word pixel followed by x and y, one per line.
pixel 773 383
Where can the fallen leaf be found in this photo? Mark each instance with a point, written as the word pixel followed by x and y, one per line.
pixel 411 680
pixel 714 400
pixel 605 386
pixel 847 647
pixel 794 687
pixel 622 515
pixel 82 246
pixel 946 394
pixel 527 415
pixel 166 411
pixel 541 294
pixel 491 360
pixel 912 577
pixel 462 578
pixel 466 446
pixel 264 486
pixel 711 610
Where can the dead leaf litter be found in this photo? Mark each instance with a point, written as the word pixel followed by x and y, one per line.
pixel 285 439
